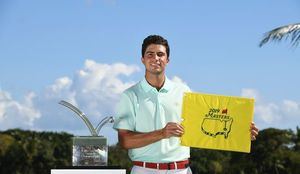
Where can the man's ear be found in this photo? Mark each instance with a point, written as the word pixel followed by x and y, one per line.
pixel 143 60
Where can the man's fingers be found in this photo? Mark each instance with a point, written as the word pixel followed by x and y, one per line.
pixel 177 133
pixel 253 127
pixel 180 126
pixel 254 131
pixel 174 129
pixel 176 126
pixel 180 132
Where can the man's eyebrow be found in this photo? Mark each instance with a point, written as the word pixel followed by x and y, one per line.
pixel 149 51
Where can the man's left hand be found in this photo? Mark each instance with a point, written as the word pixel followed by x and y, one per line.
pixel 254 131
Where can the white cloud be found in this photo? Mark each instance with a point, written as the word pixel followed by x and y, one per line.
pixel 251 93
pixel 178 80
pixel 104 77
pixel 285 114
pixel 17 114
pixel 269 113
pixel 94 89
pixel 291 107
pixel 60 84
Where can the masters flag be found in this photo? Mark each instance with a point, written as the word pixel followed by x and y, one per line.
pixel 217 122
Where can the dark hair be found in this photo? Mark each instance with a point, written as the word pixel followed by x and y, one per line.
pixel 155 39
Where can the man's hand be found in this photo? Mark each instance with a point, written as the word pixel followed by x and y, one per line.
pixel 172 129
pixel 254 131
pixel 130 139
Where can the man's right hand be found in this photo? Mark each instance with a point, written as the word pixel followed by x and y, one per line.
pixel 129 139
pixel 172 129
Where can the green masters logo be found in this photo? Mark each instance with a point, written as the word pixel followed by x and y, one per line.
pixel 217 122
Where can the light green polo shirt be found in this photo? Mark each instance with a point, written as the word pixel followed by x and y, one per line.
pixel 144 109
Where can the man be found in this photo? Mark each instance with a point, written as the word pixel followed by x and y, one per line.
pixel 149 115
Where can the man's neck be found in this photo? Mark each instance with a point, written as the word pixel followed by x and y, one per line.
pixel 156 81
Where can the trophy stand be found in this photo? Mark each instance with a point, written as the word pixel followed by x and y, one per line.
pixel 89 150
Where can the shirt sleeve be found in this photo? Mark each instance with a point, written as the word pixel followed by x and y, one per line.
pixel 125 115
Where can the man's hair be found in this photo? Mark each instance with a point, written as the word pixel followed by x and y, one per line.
pixel 155 39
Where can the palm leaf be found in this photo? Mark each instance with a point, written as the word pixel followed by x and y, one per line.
pixel 289 31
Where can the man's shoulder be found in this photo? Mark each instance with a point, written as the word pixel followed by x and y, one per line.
pixel 132 89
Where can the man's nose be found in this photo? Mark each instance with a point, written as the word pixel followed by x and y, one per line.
pixel 156 57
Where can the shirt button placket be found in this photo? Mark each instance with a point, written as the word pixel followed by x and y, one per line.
pixel 157 111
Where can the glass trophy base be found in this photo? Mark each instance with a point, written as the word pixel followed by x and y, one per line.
pixel 89 151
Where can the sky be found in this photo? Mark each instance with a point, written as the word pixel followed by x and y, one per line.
pixel 88 51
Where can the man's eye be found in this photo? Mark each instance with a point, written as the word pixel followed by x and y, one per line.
pixel 160 54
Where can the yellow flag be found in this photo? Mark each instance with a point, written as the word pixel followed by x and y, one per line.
pixel 217 122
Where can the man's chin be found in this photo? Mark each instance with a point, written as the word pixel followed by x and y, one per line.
pixel 156 71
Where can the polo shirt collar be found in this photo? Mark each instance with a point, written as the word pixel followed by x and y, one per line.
pixel 166 87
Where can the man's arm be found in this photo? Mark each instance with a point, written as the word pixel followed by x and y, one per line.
pixel 129 139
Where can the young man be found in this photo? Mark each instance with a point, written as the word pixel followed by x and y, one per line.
pixel 149 115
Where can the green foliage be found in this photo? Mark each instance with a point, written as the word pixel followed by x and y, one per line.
pixel 296 140
pixel 28 152
pixel 274 151
pixel 119 157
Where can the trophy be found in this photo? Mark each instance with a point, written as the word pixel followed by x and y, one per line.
pixel 89 150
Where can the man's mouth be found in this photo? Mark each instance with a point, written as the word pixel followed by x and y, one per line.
pixel 155 64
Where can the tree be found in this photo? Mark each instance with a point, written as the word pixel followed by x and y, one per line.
pixel 117 156
pixel 271 151
pixel 288 31
pixel 297 140
pixel 30 152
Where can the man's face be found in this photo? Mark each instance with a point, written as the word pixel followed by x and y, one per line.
pixel 155 59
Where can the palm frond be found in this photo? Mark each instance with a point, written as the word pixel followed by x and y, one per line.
pixel 289 31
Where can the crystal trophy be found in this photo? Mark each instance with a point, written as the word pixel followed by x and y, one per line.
pixel 89 150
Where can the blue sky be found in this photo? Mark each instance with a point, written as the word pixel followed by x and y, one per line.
pixel 88 51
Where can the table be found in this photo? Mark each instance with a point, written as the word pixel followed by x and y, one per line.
pixel 89 170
